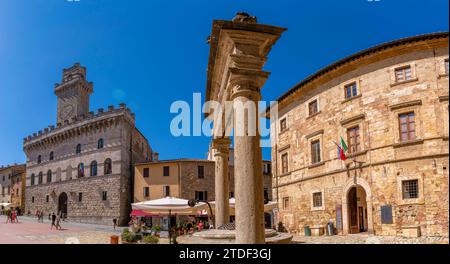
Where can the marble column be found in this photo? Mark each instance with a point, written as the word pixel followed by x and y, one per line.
pixel 249 181
pixel 221 153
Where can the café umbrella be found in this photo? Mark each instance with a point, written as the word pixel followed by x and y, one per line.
pixel 168 205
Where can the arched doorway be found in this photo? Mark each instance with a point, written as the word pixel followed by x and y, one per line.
pixel 357 210
pixel 357 207
pixel 62 204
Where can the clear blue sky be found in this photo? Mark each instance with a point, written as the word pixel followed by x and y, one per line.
pixel 151 53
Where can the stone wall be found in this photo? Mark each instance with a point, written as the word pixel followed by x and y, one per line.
pixel 386 160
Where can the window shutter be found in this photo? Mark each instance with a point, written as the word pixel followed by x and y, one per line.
pixel 386 214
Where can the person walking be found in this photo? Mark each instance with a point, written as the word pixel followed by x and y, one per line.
pixel 8 216
pixel 114 223
pixel 53 221
pixel 58 220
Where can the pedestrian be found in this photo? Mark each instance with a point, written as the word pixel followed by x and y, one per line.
pixel 114 223
pixel 58 220
pixel 13 216
pixel 37 215
pixel 8 216
pixel 42 217
pixel 53 221
pixel 17 212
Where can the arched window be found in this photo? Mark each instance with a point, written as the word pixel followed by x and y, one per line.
pixel 100 143
pixel 40 178
pixel 108 166
pixel 80 170
pixel 51 156
pixel 94 168
pixel 32 179
pixel 78 149
pixel 39 159
pixel 49 176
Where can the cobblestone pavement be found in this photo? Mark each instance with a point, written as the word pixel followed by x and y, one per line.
pixel 365 238
pixel 29 231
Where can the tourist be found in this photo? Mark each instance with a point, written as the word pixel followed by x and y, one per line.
pixel 53 221
pixel 13 216
pixel 114 223
pixel 8 216
pixel 38 215
pixel 16 214
pixel 200 226
pixel 58 220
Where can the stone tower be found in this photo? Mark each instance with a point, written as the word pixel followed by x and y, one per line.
pixel 73 93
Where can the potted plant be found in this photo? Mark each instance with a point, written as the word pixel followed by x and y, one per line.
pixel 149 239
pixel 156 230
pixel 128 237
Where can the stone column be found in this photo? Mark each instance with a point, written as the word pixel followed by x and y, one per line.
pixel 249 181
pixel 222 211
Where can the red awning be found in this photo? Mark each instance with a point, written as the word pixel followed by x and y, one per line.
pixel 140 213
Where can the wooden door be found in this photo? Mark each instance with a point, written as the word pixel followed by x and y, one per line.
pixel 353 211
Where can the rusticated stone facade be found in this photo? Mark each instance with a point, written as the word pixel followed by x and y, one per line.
pixel 390 105
pixel 12 185
pixel 83 167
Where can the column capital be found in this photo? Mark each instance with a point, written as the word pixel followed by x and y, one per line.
pixel 221 145
pixel 247 82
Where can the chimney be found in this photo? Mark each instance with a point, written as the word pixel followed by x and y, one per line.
pixel 155 156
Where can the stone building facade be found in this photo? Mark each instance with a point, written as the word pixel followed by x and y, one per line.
pixel 83 166
pixel 186 179
pixel 390 105
pixel 12 185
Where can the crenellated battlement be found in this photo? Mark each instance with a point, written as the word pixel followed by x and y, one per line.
pixel 92 116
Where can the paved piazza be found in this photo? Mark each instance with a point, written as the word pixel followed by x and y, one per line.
pixel 29 231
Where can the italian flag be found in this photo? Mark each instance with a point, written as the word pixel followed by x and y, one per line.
pixel 342 148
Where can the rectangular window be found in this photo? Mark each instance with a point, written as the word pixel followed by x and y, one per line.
pixel 317 199
pixel 166 191
pixel 166 171
pixel 146 191
pixel 266 194
pixel 286 203
pixel 410 189
pixel 407 127
pixel 353 139
pixel 47 198
pixel 284 163
pixel 3 190
pixel 80 197
pixel 446 66
pixel 231 195
pixel 146 172
pixel 403 74
pixel 283 125
pixel 351 90
pixel 201 195
pixel 313 107
pixel 9 189
pixel 104 195
pixel 32 199
pixel 201 172
pixel 315 152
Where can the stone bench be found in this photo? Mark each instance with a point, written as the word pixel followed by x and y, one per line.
pixel 317 230
pixel 412 231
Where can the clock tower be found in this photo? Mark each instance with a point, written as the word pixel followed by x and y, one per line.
pixel 73 93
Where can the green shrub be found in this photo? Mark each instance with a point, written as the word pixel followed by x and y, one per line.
pixel 128 236
pixel 149 239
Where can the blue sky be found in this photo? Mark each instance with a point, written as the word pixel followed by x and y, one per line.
pixel 151 53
